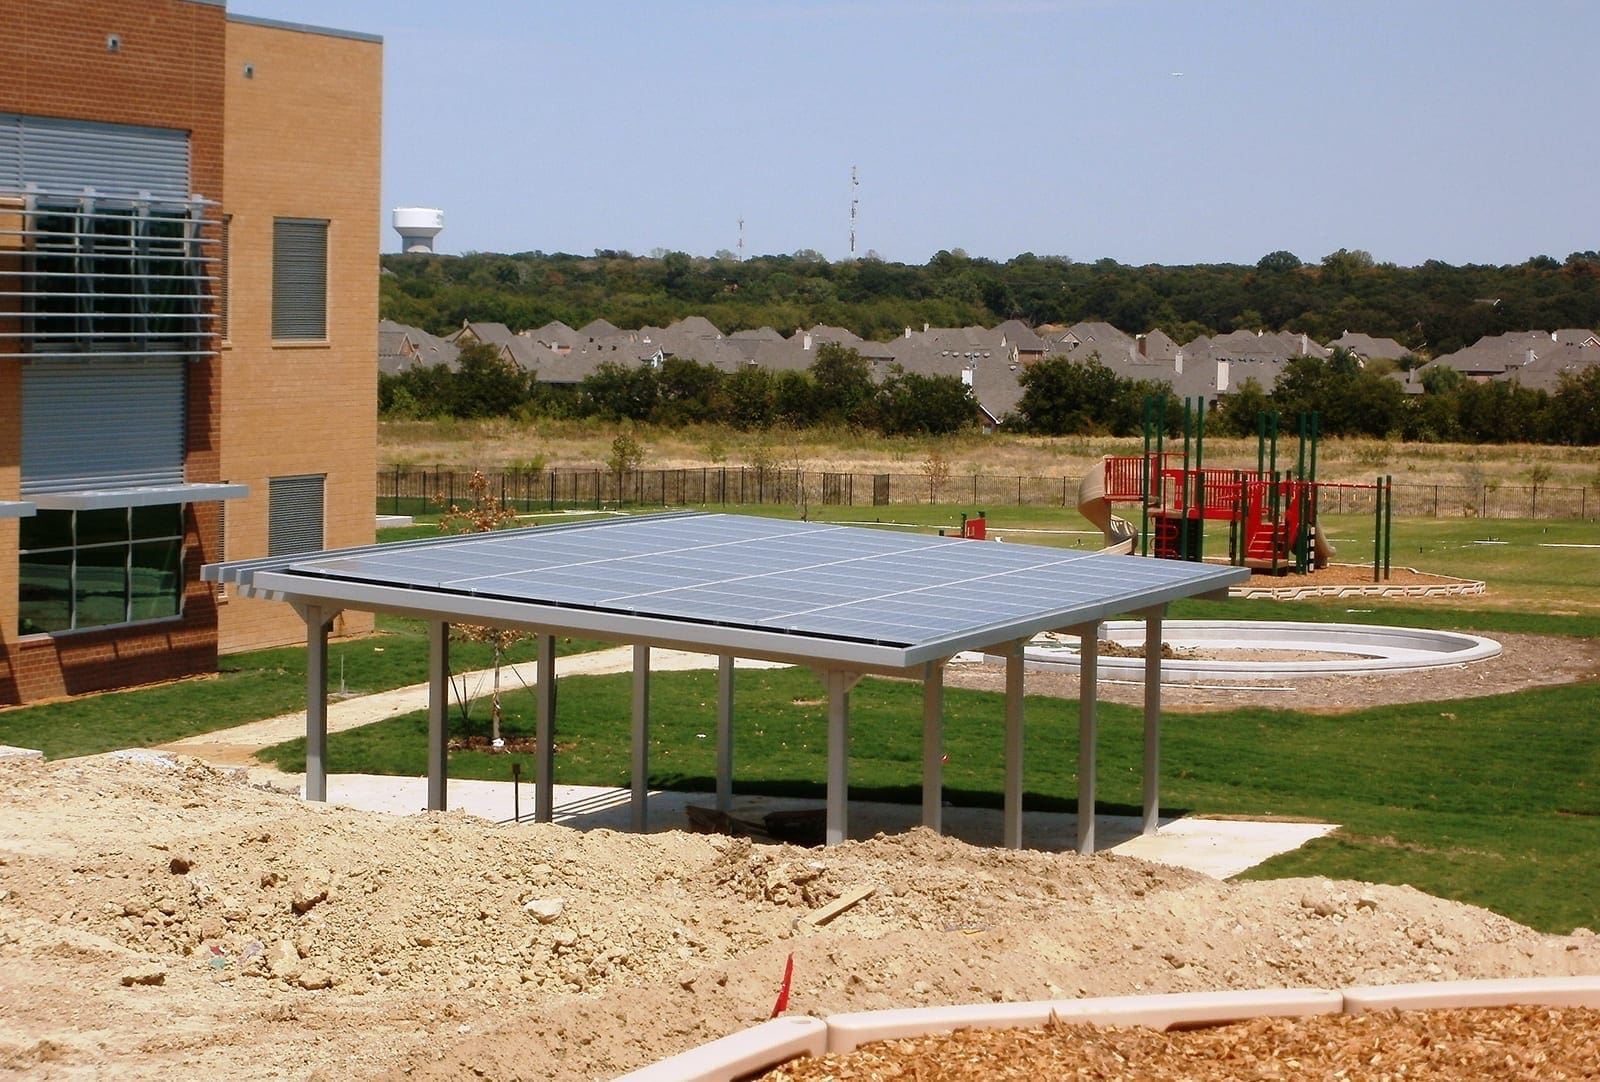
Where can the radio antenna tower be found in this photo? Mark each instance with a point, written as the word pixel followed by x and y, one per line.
pixel 855 186
pixel 741 238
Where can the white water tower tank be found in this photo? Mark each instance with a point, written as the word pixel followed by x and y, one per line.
pixel 417 227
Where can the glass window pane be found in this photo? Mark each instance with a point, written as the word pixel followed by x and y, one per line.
pixel 44 593
pixel 162 520
pixel 47 530
pixel 101 527
pixel 156 579
pixel 101 589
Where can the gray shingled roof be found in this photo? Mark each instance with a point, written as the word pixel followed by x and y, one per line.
pixel 1544 372
pixel 1368 347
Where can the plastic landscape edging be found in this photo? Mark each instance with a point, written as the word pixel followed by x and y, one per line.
pixel 739 1054
pixel 770 1044
pixel 1163 1011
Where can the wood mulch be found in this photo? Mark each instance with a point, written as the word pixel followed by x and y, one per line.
pixel 1478 1043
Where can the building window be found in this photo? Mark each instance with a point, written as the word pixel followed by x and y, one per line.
pixel 294 514
pixel 85 569
pixel 107 276
pixel 299 279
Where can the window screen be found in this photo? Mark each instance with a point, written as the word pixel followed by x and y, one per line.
pixel 299 279
pixel 294 514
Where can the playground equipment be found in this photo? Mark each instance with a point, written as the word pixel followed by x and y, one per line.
pixel 1271 514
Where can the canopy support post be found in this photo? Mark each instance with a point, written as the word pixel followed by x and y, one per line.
pixel 438 714
pixel 839 684
pixel 1014 703
pixel 933 746
pixel 1088 725
pixel 544 761
pixel 1152 718
pixel 318 622
pixel 724 732
pixel 641 738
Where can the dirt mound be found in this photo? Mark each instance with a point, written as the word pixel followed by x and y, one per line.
pixel 159 916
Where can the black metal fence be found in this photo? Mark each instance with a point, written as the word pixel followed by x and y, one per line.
pixel 411 491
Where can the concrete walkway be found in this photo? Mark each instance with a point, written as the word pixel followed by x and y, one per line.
pixel 237 746
pixel 1216 847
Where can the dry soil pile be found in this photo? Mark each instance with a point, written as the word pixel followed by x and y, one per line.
pixel 173 918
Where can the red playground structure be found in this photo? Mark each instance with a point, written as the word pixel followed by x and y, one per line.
pixel 1271 514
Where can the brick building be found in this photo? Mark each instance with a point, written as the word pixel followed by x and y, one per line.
pixel 189 224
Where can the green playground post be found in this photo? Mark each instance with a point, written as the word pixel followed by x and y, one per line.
pixel 1388 523
pixel 1200 479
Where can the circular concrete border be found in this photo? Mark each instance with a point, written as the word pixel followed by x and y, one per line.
pixel 1374 650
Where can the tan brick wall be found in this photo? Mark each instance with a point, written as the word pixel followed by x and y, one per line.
pixel 167 73
pixel 302 140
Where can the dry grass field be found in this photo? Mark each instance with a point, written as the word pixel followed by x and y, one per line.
pixel 502 443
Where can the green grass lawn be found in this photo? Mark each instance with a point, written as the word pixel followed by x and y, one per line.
pixel 1494 801
pixel 247 687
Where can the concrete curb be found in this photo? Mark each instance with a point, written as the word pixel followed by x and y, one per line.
pixel 770 1044
pixel 1366 649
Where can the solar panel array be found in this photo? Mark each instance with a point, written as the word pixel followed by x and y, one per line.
pixel 843 582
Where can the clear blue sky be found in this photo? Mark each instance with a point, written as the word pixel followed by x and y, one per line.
pixel 1456 130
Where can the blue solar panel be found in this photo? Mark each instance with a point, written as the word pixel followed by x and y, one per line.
pixel 801 578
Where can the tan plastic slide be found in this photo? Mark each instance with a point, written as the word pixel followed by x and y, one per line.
pixel 1322 550
pixel 1121 535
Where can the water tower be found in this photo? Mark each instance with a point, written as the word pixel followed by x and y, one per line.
pixel 417 227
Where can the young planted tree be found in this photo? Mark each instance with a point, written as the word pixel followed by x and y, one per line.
pixel 485 512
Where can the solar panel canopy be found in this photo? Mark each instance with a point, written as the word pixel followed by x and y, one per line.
pixel 741 584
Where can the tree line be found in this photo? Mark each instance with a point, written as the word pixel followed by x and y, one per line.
pixel 1060 396
pixel 836 390
pixel 1431 309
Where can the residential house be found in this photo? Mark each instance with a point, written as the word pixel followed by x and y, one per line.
pixel 1368 348
pixel 401 347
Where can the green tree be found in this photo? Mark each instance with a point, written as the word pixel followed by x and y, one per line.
pixel 751 400
pixel 910 404
pixel 618 392
pixel 1279 262
pixel 842 386
pixel 1062 396
pixel 795 398
pixel 687 392
pixel 1575 410
pixel 1237 412
pixel 420 392
pixel 487 384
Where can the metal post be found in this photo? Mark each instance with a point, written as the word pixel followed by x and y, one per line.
pixel 724 732
pixel 317 623
pixel 839 685
pixel 1152 718
pixel 1183 487
pixel 933 746
pixel 1144 483
pixel 641 738
pixel 1388 523
pixel 1088 723
pixel 1200 479
pixel 544 754
pixel 438 715
pixel 1377 527
pixel 1014 707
